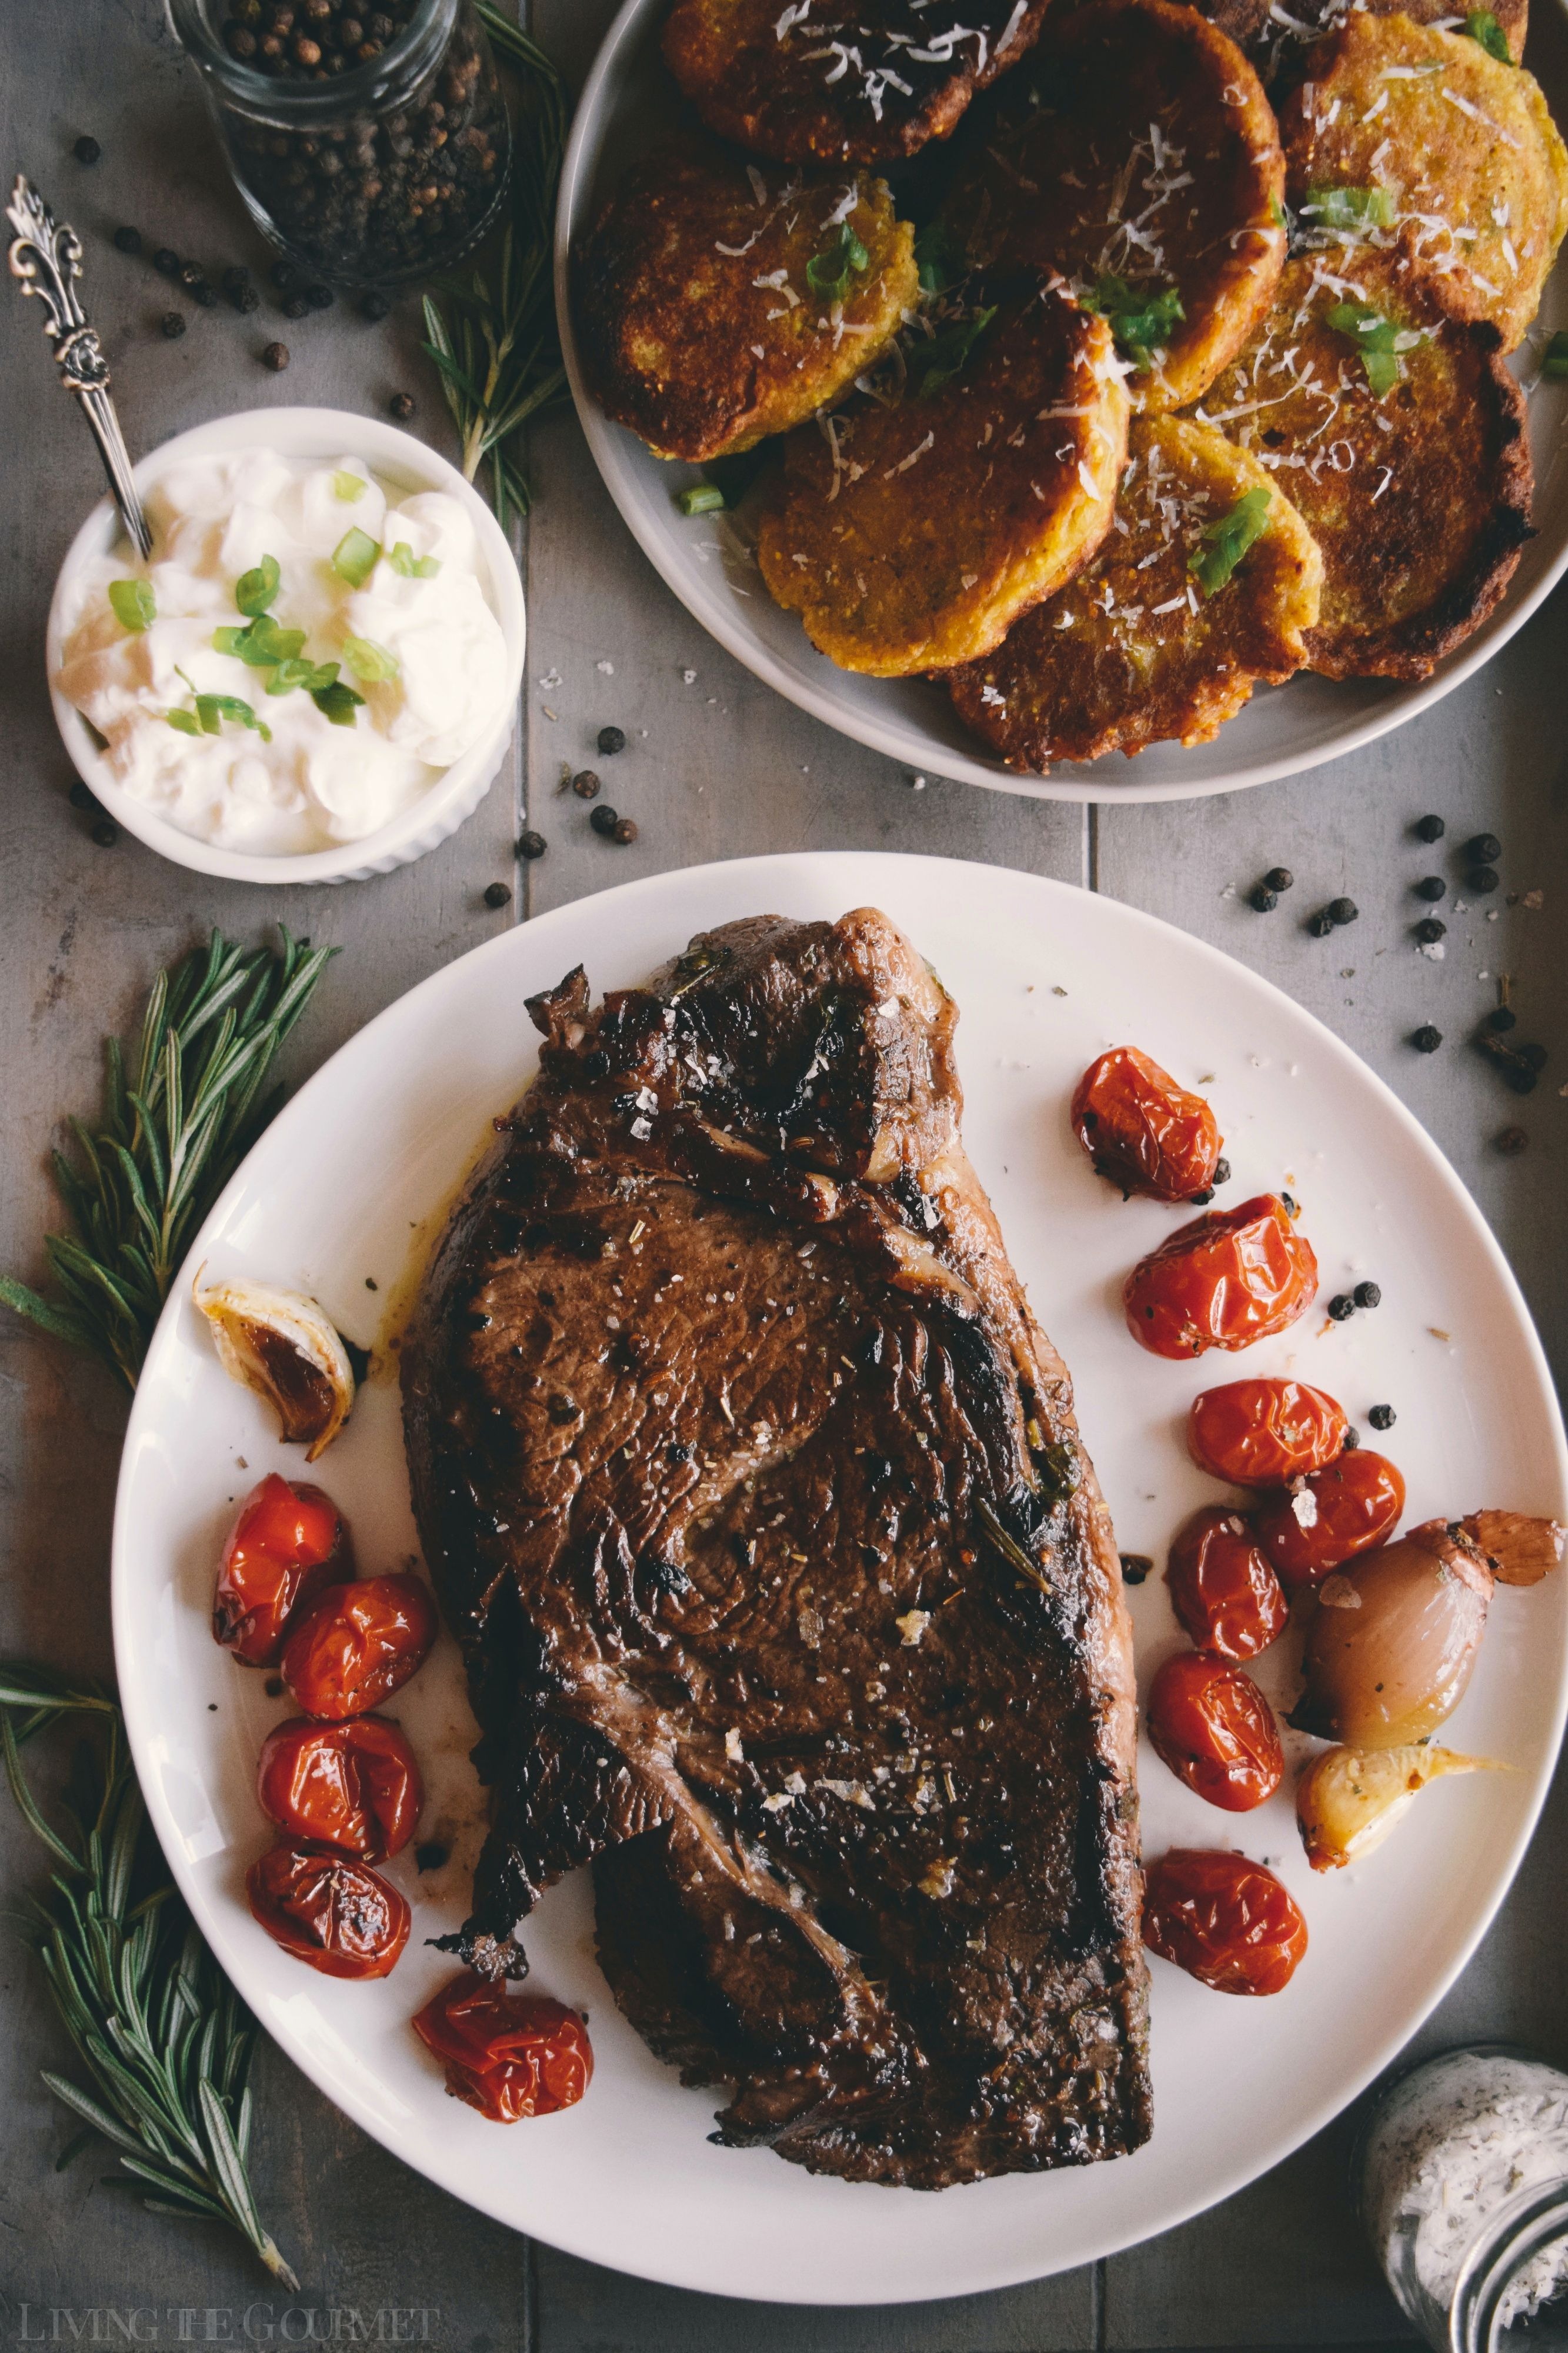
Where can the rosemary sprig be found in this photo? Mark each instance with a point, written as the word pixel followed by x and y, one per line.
pixel 496 345
pixel 161 2033
pixel 170 1137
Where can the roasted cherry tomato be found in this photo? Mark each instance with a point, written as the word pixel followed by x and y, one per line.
pixel 1215 1729
pixel 508 2055
pixel 287 1542
pixel 1327 1519
pixel 1261 1433
pixel 354 1786
pixel 356 1644
pixel 1143 1131
pixel 1225 1280
pixel 327 1909
pixel 1221 1587
pixel 1226 1921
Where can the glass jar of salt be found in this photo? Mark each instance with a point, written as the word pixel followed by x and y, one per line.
pixel 1462 2182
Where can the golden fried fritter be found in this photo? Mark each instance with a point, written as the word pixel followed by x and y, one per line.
pixel 1419 500
pixel 1473 175
pixel 911 536
pixel 1141 648
pixel 860 82
pixel 1142 162
pixel 717 304
pixel 1277 38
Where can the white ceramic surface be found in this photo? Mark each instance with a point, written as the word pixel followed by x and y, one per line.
pixel 408 465
pixel 346 1190
pixel 628 104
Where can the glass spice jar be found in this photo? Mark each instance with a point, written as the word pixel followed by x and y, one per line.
pixel 1462 2176
pixel 370 165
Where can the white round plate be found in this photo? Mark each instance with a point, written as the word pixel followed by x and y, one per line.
pixel 346 1190
pixel 628 104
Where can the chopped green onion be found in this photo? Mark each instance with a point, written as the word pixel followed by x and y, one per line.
pixel 257 589
pixel 354 556
pixel 1482 25
pixel 940 257
pixel 212 710
pixel 828 273
pixel 134 603
pixel 337 702
pixel 370 661
pixel 401 561
pixel 260 643
pixel 349 486
pixel 1140 320
pixel 699 498
pixel 931 365
pixel 1555 359
pixel 292 673
pixel 1374 337
pixel 1227 540
pixel 1350 207
pixel 185 722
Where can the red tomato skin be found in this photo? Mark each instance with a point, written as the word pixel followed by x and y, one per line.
pixel 357 1644
pixel 1212 1725
pixel 353 1786
pixel 1226 1921
pixel 1141 1130
pixel 1358 1499
pixel 1261 1433
pixel 1221 1587
pixel 328 1910
pixel 1228 1278
pixel 287 1542
pixel 507 2055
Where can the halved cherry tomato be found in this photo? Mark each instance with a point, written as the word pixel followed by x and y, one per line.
pixel 1327 1519
pixel 354 1786
pixel 287 1542
pixel 1261 1433
pixel 356 1644
pixel 328 1910
pixel 1213 1728
pixel 508 2055
pixel 1143 1131
pixel 1226 1921
pixel 1221 1587
pixel 1225 1280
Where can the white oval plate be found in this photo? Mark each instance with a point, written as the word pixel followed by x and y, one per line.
pixel 350 1183
pixel 627 104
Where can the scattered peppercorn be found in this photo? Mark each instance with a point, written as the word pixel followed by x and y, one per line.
pixel 166 261
pixel 1263 899
pixel 1534 1056
pixel 273 1686
pixel 276 357
pixel 530 845
pixel 430 1854
pixel 1368 1294
pixel 80 798
pixel 402 403
pixel 203 293
pixel 174 324
pixel 106 833
pixel 498 894
pixel 1504 1017
pixel 1201 1200
pixel 320 297
pixel 87 151
pixel 1511 1141
pixel 297 306
pixel 234 277
pixel 192 275
pixel 1426 1040
pixel 1321 925
pixel 1509 1062
pixel 1430 929
pixel 1342 911
pixel 1341 1308
pixel 1222 1171
pixel 1431 888
pixel 1381 1417
pixel 129 240
pixel 1279 878
pixel 1292 1206
pixel 604 819
pixel 1135 1568
pixel 374 307
pixel 1483 880
pixel 1352 1439
pixel 586 784
pixel 246 299
pixel 1428 829
pixel 612 740
pixel 1482 848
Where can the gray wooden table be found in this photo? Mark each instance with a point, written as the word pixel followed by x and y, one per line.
pixel 725 769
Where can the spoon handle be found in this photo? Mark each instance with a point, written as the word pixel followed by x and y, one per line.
pixel 46 257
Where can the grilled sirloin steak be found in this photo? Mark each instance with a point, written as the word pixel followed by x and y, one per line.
pixel 753 1494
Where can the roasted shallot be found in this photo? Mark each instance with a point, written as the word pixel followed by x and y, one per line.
pixel 1394 1638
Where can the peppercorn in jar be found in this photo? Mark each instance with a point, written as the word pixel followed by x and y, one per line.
pixel 370 142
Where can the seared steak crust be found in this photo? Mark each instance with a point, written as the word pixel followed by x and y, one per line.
pixel 753 1494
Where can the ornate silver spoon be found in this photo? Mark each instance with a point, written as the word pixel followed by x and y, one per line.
pixel 46 257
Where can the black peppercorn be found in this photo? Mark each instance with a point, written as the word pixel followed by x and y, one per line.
pixel 1430 929
pixel 234 277
pixel 240 43
pixel 626 833
pixel 244 299
pixel 1368 1294
pixel 1279 878
pixel 604 819
pixel 498 894
pixel 402 403
pixel 1263 899
pixel 1483 881
pixel 297 306
pixel 1503 1018
pixel 1321 925
pixel 1292 1206
pixel 1534 1057
pixel 1508 1063
pixel 129 240
pixel 276 357
pixel 106 833
pixel 374 307
pixel 1428 829
pixel 1426 1040
pixel 1222 1171
pixel 1431 888
pixel 320 297
pixel 166 261
pixel 1135 1568
pixel 191 275
pixel 80 798
pixel 1201 1200
pixel 174 324
pixel 612 740
pixel 430 1854
pixel 1352 1438
pixel 203 293
pixel 1342 911
pixel 87 151
pixel 1341 1308
pixel 586 784
pixel 530 845
pixel 1510 1142
pixel 1381 1417
pixel 1482 848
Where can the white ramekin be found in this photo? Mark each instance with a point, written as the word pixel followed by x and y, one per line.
pixel 408 466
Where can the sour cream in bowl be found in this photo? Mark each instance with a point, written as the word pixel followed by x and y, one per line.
pixel 315 676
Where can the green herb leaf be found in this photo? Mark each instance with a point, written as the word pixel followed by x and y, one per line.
pixel 369 662
pixel 135 607
pixel 1555 359
pixel 184 723
pixel 1226 541
pixel 1349 208
pixel 349 486
pixel 937 361
pixel 1483 26
pixel 337 702
pixel 1140 320
pixel 940 257
pixel 254 591
pixel 1375 338
pixel 699 498
pixel 828 273
pixel 403 561
pixel 354 556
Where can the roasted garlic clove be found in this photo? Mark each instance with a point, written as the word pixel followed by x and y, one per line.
pixel 285 1349
pixel 1349 1799
pixel 1521 1550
